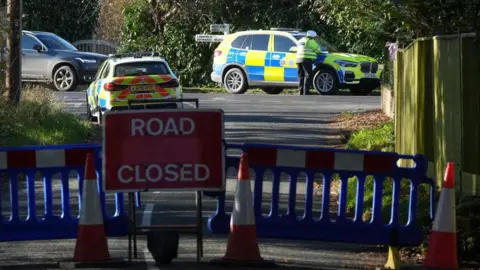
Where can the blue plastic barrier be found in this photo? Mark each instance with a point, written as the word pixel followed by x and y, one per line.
pixel 345 163
pixel 49 160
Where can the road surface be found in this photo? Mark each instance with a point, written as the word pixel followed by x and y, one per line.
pixel 282 119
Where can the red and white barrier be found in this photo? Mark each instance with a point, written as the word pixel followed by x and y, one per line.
pixel 442 248
pixel 322 160
pixel 45 158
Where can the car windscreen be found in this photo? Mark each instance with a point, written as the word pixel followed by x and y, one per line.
pixel 141 68
pixel 55 42
pixel 325 45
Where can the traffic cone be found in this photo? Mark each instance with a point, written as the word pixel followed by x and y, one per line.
pixel 242 247
pixel 91 239
pixel 442 249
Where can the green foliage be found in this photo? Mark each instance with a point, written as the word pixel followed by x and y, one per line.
pixel 358 26
pixel 380 138
pixel 175 38
pixel 39 120
pixel 70 19
pixel 468 220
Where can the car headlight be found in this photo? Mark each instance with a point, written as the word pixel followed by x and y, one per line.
pixel 86 61
pixel 345 63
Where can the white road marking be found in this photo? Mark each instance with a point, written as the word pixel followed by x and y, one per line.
pixel 77 105
pixel 147 214
pixel 219 98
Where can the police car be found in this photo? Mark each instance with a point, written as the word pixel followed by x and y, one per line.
pixel 141 77
pixel 266 59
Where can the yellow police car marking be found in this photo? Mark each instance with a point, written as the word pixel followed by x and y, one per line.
pixel 255 58
pixel 290 60
pixel 274 74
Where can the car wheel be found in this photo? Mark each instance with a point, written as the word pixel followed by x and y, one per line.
pixel 65 79
pixel 273 90
pixel 325 82
pixel 99 116
pixel 235 81
pixel 90 117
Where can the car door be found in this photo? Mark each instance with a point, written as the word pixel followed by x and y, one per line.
pixel 34 63
pixel 281 62
pixel 256 56
pixel 100 92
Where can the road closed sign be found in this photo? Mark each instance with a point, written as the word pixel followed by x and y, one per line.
pixel 163 149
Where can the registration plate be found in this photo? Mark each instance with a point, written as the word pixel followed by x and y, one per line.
pixel 142 88
pixel 370 75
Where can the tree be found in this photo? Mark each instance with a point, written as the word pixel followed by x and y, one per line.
pixel 70 19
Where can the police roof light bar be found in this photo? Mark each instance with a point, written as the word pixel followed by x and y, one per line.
pixel 286 29
pixel 134 54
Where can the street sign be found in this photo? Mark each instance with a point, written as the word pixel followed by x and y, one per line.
pixel 223 28
pixel 163 149
pixel 209 38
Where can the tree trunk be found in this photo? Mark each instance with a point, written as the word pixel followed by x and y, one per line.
pixel 14 64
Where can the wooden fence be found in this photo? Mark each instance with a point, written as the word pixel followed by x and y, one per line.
pixel 437 111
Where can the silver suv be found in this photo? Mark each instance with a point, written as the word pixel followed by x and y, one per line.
pixel 48 58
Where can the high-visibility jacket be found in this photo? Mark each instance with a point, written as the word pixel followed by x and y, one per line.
pixel 307 49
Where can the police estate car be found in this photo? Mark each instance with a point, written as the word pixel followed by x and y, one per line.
pixel 266 59
pixel 144 77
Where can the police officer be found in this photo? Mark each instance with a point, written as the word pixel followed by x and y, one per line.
pixel 307 51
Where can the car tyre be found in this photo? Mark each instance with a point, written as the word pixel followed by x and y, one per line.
pixel 235 81
pixel 90 116
pixel 273 90
pixel 99 116
pixel 65 79
pixel 325 82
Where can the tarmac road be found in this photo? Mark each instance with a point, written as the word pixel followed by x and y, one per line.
pixel 282 119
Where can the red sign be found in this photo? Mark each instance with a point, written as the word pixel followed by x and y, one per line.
pixel 163 149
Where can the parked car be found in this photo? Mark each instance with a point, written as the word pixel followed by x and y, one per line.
pixel 266 59
pixel 48 58
pixel 142 77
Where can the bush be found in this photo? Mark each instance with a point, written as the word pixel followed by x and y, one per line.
pixel 468 220
pixel 39 120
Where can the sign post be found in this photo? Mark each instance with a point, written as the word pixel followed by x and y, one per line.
pixel 215 28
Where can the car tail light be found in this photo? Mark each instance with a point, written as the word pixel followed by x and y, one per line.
pixel 109 87
pixel 218 53
pixel 170 84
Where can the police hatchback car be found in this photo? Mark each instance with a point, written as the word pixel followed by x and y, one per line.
pixel 266 59
pixel 142 77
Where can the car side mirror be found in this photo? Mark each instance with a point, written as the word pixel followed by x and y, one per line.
pixel 38 48
pixel 175 72
pixel 88 79
pixel 293 49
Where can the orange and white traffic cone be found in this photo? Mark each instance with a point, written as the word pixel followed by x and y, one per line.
pixel 91 239
pixel 442 249
pixel 242 247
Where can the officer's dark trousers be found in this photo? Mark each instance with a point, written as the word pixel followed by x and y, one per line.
pixel 305 76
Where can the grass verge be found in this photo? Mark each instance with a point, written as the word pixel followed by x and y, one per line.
pixel 39 120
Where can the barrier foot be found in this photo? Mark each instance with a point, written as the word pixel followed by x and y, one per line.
pixel 112 263
pixel 393 261
pixel 240 263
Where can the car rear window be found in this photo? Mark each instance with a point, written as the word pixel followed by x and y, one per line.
pixel 141 68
